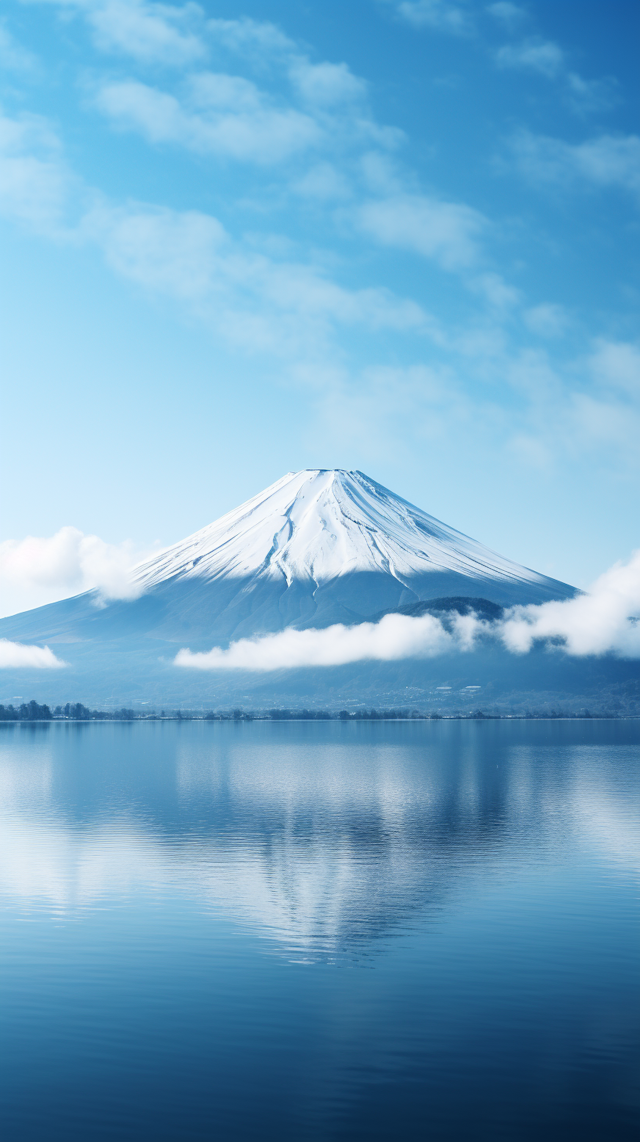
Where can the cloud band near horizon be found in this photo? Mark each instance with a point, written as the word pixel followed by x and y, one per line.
pixel 603 621
pixel 20 655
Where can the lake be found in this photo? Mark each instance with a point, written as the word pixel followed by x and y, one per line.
pixel 320 931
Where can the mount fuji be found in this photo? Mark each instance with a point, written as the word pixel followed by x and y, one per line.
pixel 312 535
pixel 318 547
pixel 325 546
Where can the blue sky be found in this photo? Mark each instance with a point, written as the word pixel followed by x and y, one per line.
pixel 241 239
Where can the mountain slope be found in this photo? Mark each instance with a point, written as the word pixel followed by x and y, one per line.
pixel 316 548
pixel 321 525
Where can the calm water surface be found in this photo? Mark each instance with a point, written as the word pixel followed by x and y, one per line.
pixel 325 932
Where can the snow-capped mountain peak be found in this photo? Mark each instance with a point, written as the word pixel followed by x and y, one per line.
pixel 320 524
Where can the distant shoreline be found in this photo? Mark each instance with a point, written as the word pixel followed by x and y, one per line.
pixel 262 718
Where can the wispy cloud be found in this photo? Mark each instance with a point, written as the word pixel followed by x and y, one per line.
pixel 606 161
pixel 219 114
pixel 498 294
pixel 548 59
pixel 260 298
pixel 546 320
pixel 252 299
pixel 174 35
pixel 586 95
pixel 256 39
pixel 591 407
pixel 440 15
pixel 18 655
pixel 323 182
pixel 295 299
pixel 511 15
pixel 309 105
pixel 14 57
pixel 35 185
pixel 152 33
pixel 158 32
pixel 535 54
pixel 616 365
pixel 325 84
pixel 448 232
pixel 215 112
pixel 606 620
pixel 368 410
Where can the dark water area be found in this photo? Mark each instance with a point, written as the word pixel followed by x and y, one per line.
pixel 320 931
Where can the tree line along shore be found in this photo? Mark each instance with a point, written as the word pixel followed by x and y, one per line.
pixel 76 712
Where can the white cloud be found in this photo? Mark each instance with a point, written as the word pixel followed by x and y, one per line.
pixel 496 291
pixel 18 655
pixel 591 94
pixel 221 114
pixel 322 182
pixel 607 423
pixel 34 183
pixel 326 84
pixel 394 637
pixel 534 54
pixel 181 35
pixel 607 414
pixel 368 411
pixel 231 116
pixel 604 621
pixel 507 13
pixel 531 373
pixel 252 299
pixel 380 174
pixel 251 37
pixel 548 59
pixel 616 364
pixel 546 320
pixel 595 408
pixel 445 231
pixel 66 562
pixel 265 301
pixel 180 254
pixel 13 57
pixel 158 32
pixel 438 14
pixel 151 33
pixel 606 161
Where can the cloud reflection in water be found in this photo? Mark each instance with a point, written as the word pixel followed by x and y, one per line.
pixel 320 838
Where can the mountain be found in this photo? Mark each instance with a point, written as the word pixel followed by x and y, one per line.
pixel 323 546
pixel 318 547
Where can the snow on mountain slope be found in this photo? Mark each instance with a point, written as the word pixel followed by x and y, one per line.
pixel 317 525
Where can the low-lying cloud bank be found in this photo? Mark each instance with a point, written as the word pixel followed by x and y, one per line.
pixel 605 620
pixel 39 569
pixel 19 654
pixel 395 636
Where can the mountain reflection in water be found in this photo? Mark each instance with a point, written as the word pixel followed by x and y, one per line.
pixel 308 932
pixel 321 838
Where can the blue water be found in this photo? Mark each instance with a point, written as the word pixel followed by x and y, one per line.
pixel 319 931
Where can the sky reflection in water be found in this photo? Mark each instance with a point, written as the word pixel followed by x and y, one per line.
pixel 319 931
